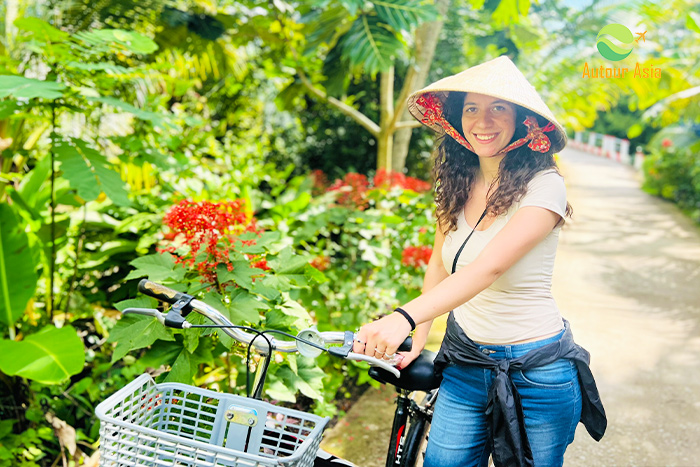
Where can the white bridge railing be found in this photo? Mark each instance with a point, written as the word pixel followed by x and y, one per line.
pixel 608 146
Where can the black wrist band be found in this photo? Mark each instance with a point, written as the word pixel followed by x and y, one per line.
pixel 408 317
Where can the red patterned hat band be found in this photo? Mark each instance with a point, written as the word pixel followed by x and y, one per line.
pixel 434 115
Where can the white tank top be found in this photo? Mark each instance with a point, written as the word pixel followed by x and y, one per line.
pixel 519 305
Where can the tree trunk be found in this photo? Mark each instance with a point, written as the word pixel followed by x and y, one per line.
pixel 427 36
pixel 386 104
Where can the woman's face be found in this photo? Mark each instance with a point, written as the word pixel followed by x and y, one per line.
pixel 488 123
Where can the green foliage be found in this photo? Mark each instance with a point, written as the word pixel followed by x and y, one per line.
pixel 49 356
pixel 88 171
pixel 17 267
pixel 26 88
pixel 672 168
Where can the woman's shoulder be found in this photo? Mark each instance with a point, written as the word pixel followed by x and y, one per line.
pixel 547 179
pixel 550 174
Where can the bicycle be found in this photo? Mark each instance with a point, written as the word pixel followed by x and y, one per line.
pixel 166 424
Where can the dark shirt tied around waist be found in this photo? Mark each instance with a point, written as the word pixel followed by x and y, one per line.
pixel 504 412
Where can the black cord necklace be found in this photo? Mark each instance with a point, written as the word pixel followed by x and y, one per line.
pixel 454 263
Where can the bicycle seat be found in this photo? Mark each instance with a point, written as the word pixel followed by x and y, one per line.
pixel 418 376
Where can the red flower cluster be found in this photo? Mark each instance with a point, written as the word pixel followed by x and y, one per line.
pixel 359 185
pixel 356 196
pixel 211 227
pixel 391 179
pixel 667 143
pixel 262 264
pixel 321 263
pixel 416 256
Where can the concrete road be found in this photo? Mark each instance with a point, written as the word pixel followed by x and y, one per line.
pixel 627 277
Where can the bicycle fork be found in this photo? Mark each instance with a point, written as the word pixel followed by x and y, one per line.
pixel 398 430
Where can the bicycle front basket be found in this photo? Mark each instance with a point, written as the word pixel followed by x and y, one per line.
pixel 172 424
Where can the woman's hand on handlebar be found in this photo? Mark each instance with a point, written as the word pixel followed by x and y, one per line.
pixel 408 357
pixel 382 337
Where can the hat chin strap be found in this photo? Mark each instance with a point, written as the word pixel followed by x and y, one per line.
pixel 535 135
pixel 434 115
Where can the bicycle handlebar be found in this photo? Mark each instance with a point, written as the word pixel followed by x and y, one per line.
pixel 165 294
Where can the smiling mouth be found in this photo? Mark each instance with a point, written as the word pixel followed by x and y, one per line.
pixel 485 139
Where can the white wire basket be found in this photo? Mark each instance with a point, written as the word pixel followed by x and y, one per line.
pixel 172 424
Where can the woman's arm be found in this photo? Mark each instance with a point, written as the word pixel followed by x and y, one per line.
pixel 435 274
pixel 528 227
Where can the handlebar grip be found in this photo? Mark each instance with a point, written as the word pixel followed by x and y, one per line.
pixel 160 292
pixel 407 345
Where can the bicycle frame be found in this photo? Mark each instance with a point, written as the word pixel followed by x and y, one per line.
pixel 400 453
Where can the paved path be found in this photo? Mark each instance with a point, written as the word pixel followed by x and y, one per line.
pixel 627 277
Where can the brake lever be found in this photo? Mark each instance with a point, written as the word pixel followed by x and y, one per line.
pixel 385 365
pixel 152 312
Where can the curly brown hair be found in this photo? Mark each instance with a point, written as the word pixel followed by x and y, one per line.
pixel 455 168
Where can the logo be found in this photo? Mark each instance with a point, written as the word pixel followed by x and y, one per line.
pixel 621 34
pixel 616 51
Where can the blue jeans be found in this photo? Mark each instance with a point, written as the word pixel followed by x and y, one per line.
pixel 551 399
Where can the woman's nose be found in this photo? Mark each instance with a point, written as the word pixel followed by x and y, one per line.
pixel 485 120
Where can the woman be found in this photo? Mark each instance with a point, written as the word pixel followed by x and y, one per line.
pixel 515 385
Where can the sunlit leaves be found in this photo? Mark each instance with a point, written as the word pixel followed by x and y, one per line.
pixel 136 332
pixel 7 108
pixel 404 14
pixel 89 172
pixel 509 11
pixel 157 267
pixel 50 356
pixel 18 277
pixel 19 87
pixel 324 25
pixel 128 40
pixel 41 29
pixel 370 45
pixel 157 119
pixel 692 21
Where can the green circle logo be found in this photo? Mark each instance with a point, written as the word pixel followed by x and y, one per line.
pixel 610 50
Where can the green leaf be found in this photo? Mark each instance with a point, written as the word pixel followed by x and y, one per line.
pixel 153 117
pixel 290 316
pixel 692 21
pixel 41 29
pixel 278 390
pixel 289 263
pixel 49 357
pixel 6 427
pixel 323 25
pixel 139 302
pixel 7 108
pixel 27 88
pixel 185 366
pixel 30 186
pixel 245 307
pixel 136 332
pixel 242 274
pixel 635 130
pixel 105 251
pixel 89 172
pixel 157 267
pixel 310 382
pixel 404 14
pixel 315 275
pixel 509 12
pixel 129 40
pixel 370 46
pixel 18 276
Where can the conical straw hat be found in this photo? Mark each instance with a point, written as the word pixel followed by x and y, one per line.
pixel 498 78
